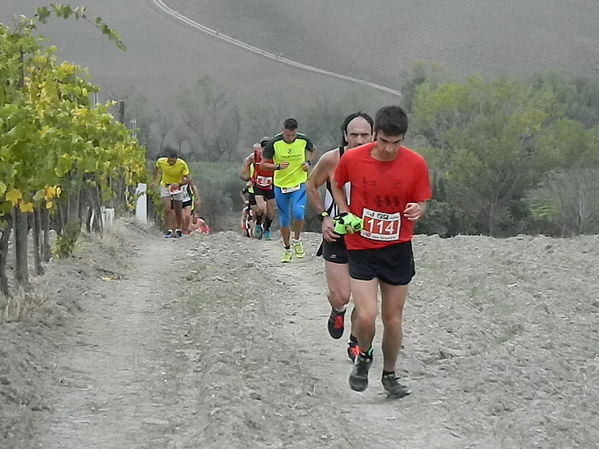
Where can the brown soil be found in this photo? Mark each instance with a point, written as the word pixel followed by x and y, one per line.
pixel 212 343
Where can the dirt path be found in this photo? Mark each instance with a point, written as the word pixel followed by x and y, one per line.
pixel 234 352
pixel 113 386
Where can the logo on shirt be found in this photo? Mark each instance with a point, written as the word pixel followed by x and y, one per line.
pixel 387 201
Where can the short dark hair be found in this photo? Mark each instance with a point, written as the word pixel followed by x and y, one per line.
pixel 391 120
pixel 171 153
pixel 290 124
pixel 349 118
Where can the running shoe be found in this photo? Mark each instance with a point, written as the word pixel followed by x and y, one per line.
pixel 169 235
pixel 336 323
pixel 266 235
pixel 258 231
pixel 393 387
pixel 352 350
pixel 358 379
pixel 299 249
pixel 286 258
pixel 178 234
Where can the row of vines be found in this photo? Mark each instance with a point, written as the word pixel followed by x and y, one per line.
pixel 62 157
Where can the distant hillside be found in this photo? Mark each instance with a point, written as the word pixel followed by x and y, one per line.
pixel 164 54
pixel 378 41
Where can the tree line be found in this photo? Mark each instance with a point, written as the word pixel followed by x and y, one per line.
pixel 506 156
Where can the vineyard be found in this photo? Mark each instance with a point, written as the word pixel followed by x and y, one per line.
pixel 62 156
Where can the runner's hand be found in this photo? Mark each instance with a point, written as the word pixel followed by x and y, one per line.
pixel 283 165
pixel 328 230
pixel 413 211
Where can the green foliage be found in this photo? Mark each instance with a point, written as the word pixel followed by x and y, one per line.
pixel 489 132
pixel 52 138
pixel 65 244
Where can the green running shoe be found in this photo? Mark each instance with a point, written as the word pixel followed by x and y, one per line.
pixel 299 249
pixel 286 258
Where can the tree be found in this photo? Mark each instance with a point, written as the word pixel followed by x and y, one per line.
pixel 489 133
pixel 51 134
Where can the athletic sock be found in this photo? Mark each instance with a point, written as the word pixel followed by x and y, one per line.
pixel 367 354
pixel 288 248
pixel 258 219
pixel 387 373
pixel 267 223
pixel 353 338
pixel 341 310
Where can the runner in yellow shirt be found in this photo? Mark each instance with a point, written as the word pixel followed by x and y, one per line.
pixel 286 155
pixel 174 174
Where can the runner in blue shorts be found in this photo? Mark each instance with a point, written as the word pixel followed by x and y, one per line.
pixel 290 155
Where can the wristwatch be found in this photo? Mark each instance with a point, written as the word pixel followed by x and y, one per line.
pixel 323 214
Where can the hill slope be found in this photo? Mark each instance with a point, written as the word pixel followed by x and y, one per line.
pixel 164 54
pixel 376 40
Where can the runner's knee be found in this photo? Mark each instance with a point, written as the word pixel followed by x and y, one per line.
pixel 339 295
pixel 364 316
pixel 391 322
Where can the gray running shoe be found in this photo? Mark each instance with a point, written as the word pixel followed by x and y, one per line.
pixel 358 379
pixel 393 387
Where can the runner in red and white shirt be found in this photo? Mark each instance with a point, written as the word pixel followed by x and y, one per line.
pixel 264 194
pixel 389 188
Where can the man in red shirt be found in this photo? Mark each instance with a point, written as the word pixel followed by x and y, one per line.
pixel 264 194
pixel 389 188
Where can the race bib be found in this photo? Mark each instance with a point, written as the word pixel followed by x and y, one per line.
pixel 264 181
pixel 380 226
pixel 290 189
pixel 174 190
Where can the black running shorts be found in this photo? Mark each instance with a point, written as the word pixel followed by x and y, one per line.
pixel 392 264
pixel 267 194
pixel 333 251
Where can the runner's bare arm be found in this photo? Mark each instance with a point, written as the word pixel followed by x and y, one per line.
pixel 338 196
pixel 322 171
pixel 245 168
pixel 196 196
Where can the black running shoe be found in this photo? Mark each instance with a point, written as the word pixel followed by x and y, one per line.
pixel 336 324
pixel 358 379
pixel 393 387
pixel 178 234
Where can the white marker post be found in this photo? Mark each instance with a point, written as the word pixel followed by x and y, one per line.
pixel 141 207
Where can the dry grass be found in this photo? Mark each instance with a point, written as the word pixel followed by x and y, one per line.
pixel 20 305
